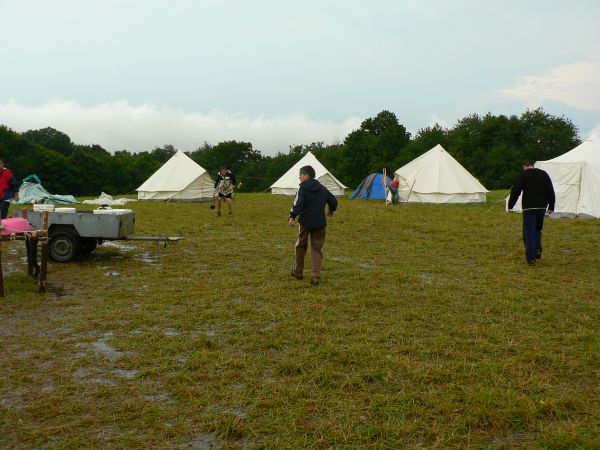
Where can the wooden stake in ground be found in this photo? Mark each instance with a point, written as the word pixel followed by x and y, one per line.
pixel 44 263
pixel 385 187
pixel 28 243
pixel 28 251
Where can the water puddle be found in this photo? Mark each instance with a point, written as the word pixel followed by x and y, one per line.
pixel 85 374
pixel 148 258
pixel 127 374
pixel 240 413
pixel 118 245
pixel 162 397
pixel 101 346
pixel 203 441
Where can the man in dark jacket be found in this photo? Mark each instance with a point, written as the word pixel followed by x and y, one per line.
pixel 309 205
pixel 538 197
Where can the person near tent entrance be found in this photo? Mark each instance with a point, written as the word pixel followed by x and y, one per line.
pixel 394 185
pixel 224 184
pixel 538 199
pixel 8 188
pixel 309 207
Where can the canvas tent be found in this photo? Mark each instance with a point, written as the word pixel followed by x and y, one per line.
pixel 436 177
pixel 371 188
pixel 288 183
pixel 575 176
pixel 180 178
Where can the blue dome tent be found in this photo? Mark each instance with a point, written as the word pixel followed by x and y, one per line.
pixel 371 188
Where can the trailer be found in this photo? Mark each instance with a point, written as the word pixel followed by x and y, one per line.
pixel 72 233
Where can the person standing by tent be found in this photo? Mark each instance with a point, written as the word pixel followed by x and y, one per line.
pixel 224 185
pixel 538 198
pixel 8 188
pixel 394 185
pixel 309 207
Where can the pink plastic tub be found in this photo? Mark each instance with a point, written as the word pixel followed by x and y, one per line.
pixel 14 225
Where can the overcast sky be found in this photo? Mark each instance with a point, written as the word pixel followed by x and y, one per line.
pixel 139 74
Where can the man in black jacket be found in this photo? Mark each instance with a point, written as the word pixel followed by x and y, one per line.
pixel 538 197
pixel 309 205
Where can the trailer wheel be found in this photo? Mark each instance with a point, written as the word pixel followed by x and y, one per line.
pixel 63 245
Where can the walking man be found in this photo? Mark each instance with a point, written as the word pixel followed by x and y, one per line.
pixel 309 207
pixel 224 185
pixel 538 198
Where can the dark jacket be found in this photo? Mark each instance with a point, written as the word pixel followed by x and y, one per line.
pixel 310 204
pixel 537 190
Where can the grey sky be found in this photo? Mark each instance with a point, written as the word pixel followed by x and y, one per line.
pixel 139 74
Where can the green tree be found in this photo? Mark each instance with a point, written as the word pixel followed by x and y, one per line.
pixel 373 147
pixel 239 157
pixel 51 139
pixel 164 153
pixel 493 147
pixel 546 136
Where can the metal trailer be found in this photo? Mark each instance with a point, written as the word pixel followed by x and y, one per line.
pixel 78 233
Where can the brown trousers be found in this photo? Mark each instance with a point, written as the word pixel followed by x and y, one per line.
pixel 317 239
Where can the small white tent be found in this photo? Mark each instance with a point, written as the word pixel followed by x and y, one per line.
pixel 180 178
pixel 575 176
pixel 436 177
pixel 288 183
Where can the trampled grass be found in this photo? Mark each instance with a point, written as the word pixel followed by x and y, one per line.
pixel 429 330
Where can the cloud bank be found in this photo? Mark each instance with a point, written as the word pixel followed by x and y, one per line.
pixel 122 126
pixel 576 85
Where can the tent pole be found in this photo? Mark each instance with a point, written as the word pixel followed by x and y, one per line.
pixel 385 188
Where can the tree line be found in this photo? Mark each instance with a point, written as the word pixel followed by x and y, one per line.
pixel 491 147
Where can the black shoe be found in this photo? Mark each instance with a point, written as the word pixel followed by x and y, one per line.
pixel 538 255
pixel 531 263
pixel 296 276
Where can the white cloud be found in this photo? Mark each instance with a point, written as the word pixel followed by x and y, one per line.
pixel 436 119
pixel 595 131
pixel 576 85
pixel 120 125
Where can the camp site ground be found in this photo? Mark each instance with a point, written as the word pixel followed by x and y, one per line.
pixel 428 331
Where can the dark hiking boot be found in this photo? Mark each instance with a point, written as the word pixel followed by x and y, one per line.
pixel 296 275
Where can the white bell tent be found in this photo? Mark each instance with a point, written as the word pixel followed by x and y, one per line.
pixel 180 178
pixel 575 176
pixel 288 183
pixel 436 177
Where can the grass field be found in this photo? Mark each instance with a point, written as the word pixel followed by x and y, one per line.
pixel 429 330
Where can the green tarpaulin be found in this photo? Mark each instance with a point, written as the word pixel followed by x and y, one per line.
pixel 35 193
